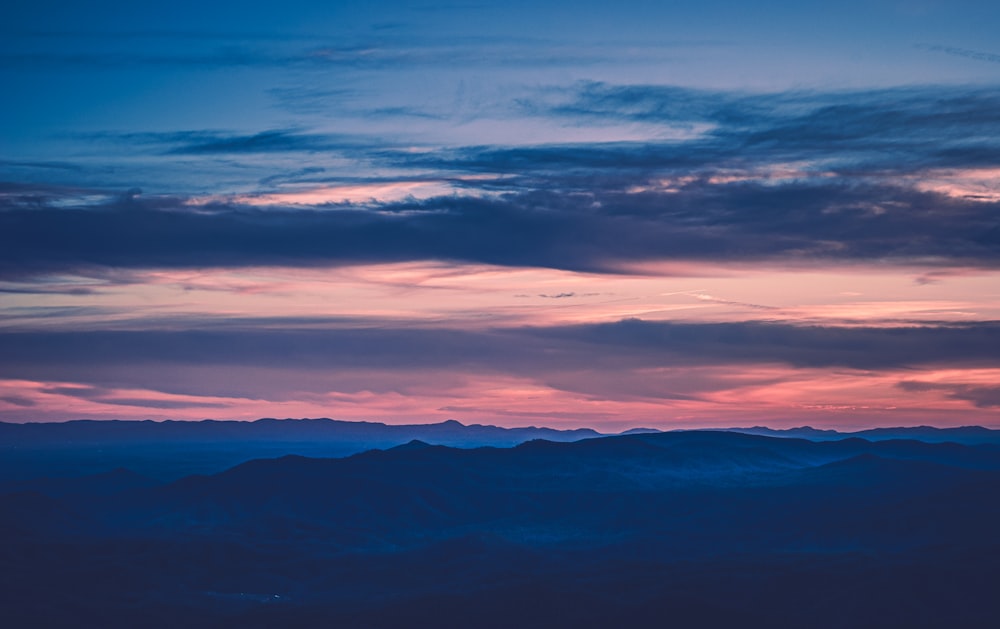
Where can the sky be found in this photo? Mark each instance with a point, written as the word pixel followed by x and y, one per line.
pixel 675 215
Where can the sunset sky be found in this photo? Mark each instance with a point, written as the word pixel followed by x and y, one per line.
pixel 602 214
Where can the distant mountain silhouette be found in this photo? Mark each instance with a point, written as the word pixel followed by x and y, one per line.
pixel 171 449
pixel 969 435
pixel 168 450
pixel 449 432
pixel 638 431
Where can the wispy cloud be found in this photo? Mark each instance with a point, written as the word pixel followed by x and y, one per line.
pixel 102 395
pixel 909 137
pixel 319 53
pixel 918 126
pixel 962 52
pixel 265 142
pixel 981 396
pixel 214 142
pixel 19 400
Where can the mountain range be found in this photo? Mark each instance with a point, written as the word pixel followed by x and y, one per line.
pixel 970 435
pixel 648 529
pixel 168 450
pixel 171 449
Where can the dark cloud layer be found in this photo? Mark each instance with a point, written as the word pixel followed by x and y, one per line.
pixel 597 230
pixel 798 346
pixel 627 344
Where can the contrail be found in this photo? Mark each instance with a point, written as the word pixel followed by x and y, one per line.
pixel 706 297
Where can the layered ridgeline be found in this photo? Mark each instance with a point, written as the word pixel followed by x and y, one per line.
pixel 699 528
pixel 171 449
pixel 167 450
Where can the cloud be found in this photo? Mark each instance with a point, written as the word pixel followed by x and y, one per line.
pixel 403 371
pixel 896 176
pixel 980 396
pixel 962 52
pixel 302 174
pixel 83 392
pixel 214 142
pixel 891 129
pixel 274 141
pixel 868 135
pixel 309 99
pixel 711 298
pixel 598 230
pixel 18 400
pixel 623 345
pixel 102 395
pixel 47 290
pixel 43 165
pixel 215 51
pixel 539 414
pixel 36 314
pixel 650 342
pixel 161 404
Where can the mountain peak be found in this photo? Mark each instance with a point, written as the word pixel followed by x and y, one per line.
pixel 413 444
